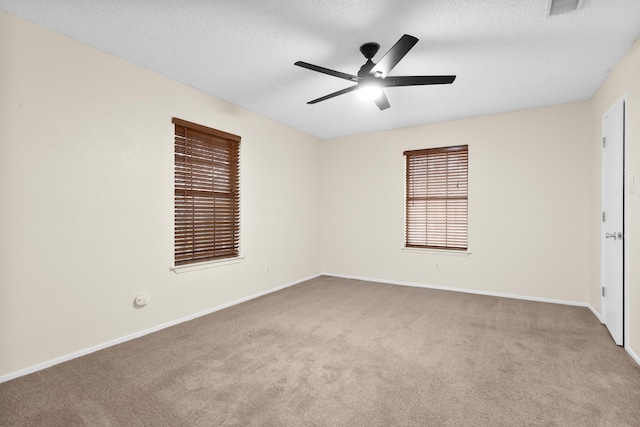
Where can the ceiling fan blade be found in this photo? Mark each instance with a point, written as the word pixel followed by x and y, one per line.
pixel 334 94
pixel 417 80
pixel 326 71
pixel 382 102
pixel 395 54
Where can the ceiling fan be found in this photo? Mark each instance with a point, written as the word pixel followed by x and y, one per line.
pixel 372 77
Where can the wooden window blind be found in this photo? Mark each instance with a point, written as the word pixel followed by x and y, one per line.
pixel 436 198
pixel 207 193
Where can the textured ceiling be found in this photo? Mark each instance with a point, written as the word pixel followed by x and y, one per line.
pixel 507 54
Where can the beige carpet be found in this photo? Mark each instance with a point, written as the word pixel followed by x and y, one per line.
pixel 337 352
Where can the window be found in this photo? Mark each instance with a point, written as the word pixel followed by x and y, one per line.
pixel 436 198
pixel 207 193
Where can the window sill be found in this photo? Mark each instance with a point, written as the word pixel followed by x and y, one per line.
pixel 447 252
pixel 205 265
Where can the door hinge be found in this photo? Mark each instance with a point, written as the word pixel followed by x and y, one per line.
pixel 603 216
pixel 604 141
pixel 603 291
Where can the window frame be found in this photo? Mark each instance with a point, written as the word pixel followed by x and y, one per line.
pixel 206 195
pixel 451 229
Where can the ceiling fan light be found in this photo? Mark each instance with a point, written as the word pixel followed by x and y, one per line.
pixel 369 92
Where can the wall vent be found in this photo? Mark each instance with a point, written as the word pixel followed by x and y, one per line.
pixel 558 7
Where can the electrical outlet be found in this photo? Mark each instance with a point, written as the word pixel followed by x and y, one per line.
pixel 267 270
pixel 437 265
pixel 142 299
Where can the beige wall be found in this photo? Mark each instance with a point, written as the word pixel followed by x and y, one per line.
pixel 529 189
pixel 86 176
pixel 623 80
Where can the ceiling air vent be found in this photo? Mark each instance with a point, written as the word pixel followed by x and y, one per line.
pixel 557 7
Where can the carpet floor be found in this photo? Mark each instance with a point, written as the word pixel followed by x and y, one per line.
pixel 339 352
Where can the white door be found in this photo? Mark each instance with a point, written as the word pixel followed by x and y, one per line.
pixel 613 221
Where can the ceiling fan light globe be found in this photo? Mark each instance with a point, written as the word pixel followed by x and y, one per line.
pixel 369 92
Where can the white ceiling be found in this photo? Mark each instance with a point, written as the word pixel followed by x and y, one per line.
pixel 507 54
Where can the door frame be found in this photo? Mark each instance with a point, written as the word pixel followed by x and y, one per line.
pixel 625 246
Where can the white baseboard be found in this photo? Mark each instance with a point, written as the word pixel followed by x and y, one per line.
pixel 595 313
pixel 466 291
pixel 74 355
pixel 139 334
pixel 633 354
